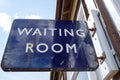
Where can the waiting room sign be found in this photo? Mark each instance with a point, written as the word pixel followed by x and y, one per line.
pixel 49 45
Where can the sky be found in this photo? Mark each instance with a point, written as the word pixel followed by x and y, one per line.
pixel 22 9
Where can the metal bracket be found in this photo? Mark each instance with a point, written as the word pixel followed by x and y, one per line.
pixel 101 58
pixel 93 30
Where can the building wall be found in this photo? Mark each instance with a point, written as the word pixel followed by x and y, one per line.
pixel 101 40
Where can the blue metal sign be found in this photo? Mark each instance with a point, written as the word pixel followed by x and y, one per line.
pixel 45 45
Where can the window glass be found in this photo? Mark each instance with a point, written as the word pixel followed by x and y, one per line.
pixel 82 76
pixel 114 13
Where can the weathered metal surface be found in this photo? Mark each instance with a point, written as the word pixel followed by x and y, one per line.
pixel 49 45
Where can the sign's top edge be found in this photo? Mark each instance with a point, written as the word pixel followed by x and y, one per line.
pixel 47 20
